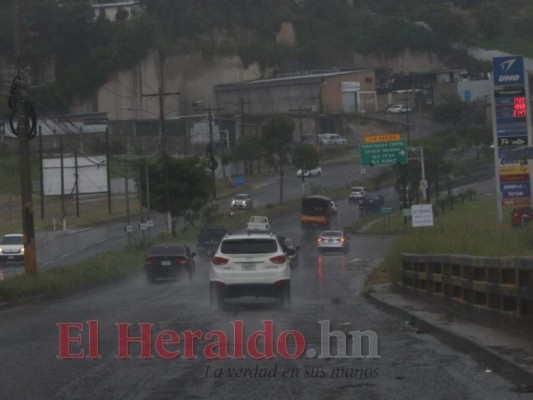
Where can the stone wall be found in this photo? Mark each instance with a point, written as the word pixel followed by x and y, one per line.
pixel 193 76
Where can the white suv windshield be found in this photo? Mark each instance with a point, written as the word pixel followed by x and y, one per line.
pixel 11 240
pixel 249 246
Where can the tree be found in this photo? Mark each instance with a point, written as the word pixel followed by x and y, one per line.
pixel 490 18
pixel 276 137
pixel 225 158
pixel 305 156
pixel 248 149
pixel 449 110
pixel 189 188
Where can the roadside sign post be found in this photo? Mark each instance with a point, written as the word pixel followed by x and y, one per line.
pixel 422 215
pixel 386 210
pixel 511 123
pixel 383 153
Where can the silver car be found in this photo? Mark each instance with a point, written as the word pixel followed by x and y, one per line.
pixel 333 241
pixel 241 201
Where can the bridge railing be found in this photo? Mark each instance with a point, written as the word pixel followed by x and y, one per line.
pixel 500 284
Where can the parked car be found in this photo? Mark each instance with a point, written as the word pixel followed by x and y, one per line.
pixel 258 224
pixel 356 193
pixel 250 265
pixel 324 138
pixel 398 109
pixel 521 216
pixel 307 138
pixel 333 241
pixel 309 172
pixel 242 201
pixel 11 248
pixel 208 240
pixel 337 139
pixel 331 138
pixel 169 260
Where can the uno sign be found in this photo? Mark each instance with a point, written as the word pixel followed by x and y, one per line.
pixel 508 70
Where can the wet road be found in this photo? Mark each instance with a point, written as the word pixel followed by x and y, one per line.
pixel 329 289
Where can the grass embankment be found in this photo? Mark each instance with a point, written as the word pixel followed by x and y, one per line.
pixel 62 281
pixel 470 228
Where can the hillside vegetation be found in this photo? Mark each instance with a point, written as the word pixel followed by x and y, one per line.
pixel 87 51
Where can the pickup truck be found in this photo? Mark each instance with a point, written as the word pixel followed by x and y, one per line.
pixel 258 224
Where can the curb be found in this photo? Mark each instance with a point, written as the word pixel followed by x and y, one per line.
pixel 516 373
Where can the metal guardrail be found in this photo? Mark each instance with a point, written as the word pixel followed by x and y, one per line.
pixel 501 284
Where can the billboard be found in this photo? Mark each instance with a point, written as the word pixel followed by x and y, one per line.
pixel 511 130
pixel 92 175
pixel 200 132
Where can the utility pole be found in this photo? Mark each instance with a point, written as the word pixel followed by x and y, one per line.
pixel 62 168
pixel 300 110
pixel 22 108
pixel 162 136
pixel 210 152
pixel 407 123
pixel 242 103
pixel 41 173
pixel 108 170
pixel 76 180
pixel 126 184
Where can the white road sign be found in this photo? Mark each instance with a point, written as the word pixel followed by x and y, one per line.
pixel 422 215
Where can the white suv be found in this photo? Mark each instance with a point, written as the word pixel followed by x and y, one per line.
pixel 250 265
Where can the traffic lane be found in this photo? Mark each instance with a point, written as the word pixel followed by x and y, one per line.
pixel 56 249
pixel 328 288
pixel 333 176
pixel 411 366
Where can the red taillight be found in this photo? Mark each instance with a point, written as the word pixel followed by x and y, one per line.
pixel 278 259
pixel 151 260
pixel 219 260
pixel 181 260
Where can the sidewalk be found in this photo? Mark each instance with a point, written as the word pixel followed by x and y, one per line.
pixel 502 349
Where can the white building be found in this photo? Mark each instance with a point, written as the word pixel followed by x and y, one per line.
pixel 112 9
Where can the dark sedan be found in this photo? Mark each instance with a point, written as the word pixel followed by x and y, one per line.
pixel 169 261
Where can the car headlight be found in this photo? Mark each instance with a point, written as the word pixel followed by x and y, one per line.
pixel 22 249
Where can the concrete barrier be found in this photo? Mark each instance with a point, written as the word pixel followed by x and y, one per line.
pixel 498 284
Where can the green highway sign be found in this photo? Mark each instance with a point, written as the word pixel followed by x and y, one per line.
pixel 383 153
pixel 385 210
